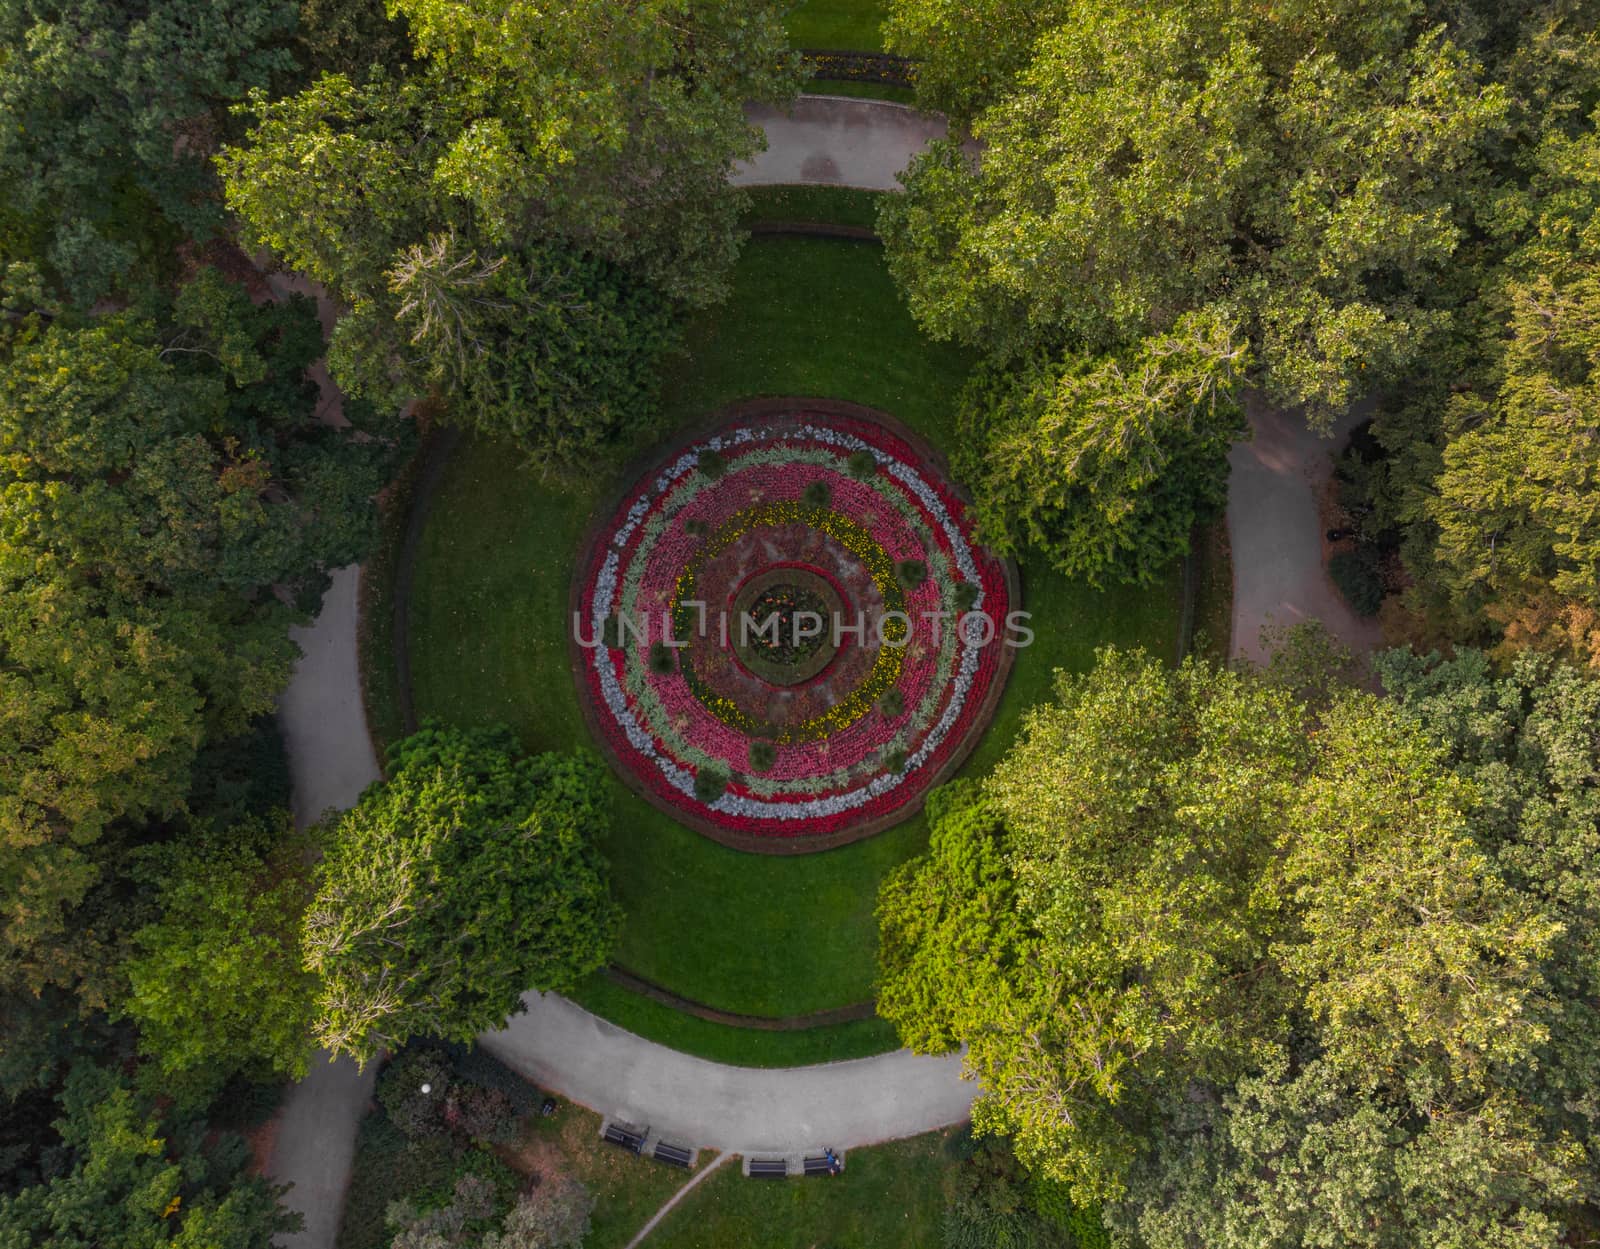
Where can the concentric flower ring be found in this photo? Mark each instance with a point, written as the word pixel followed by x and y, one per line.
pixel 814 510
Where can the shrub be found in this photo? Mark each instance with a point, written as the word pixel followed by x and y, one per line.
pixel 862 465
pixel 762 756
pixel 911 573
pixel 966 596
pixel 483 1114
pixel 1356 574
pixel 713 464
pixel 893 703
pixel 611 632
pixel 895 760
pixel 414 1112
pixel 555 1215
pixel 661 661
pixel 817 494
pixel 710 784
pixel 696 528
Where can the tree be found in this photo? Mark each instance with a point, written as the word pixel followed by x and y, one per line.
pixel 168 506
pixel 468 878
pixel 1251 972
pixel 1154 160
pixel 130 1179
pixel 555 1215
pixel 559 175
pixel 106 114
pixel 217 983
pixel 1142 809
pixel 1105 465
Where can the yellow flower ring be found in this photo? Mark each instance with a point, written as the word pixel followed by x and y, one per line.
pixel 786 502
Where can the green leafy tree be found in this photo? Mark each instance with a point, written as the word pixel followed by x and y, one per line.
pixel 217 982
pixel 131 1180
pixel 1105 465
pixel 1258 974
pixel 555 1215
pixel 521 208
pixel 107 112
pixel 468 878
pixel 164 488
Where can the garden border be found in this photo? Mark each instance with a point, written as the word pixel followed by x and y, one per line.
pixel 599 530
pixel 854 1012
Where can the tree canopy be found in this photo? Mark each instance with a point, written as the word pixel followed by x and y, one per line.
pixel 1254 973
pixel 468 878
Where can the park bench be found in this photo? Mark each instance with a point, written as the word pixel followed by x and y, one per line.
pixel 822 1165
pixel 769 1168
pixel 616 1134
pixel 675 1155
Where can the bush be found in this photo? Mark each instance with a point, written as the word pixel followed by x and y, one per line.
pixel 862 465
pixel 966 596
pixel 414 1112
pixel 713 464
pixel 483 1114
pixel 817 494
pixel 661 661
pixel 895 761
pixel 555 1215
pixel 1355 573
pixel 911 573
pixel 710 784
pixel 893 703
pixel 762 756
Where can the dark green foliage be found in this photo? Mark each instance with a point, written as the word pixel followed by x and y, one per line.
pixel 491 857
pixel 109 110
pixel 696 528
pixel 611 632
pixel 762 756
pixel 911 573
pixel 895 760
pixel 893 703
pixel 713 464
pixel 662 661
pixel 862 465
pixel 710 784
pixel 1356 574
pixel 416 1113
pixel 966 596
pixel 128 1173
pixel 817 494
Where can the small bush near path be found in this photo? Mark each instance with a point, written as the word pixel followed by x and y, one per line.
pixel 1355 573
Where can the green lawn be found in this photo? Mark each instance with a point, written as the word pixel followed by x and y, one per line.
pixel 745 933
pixel 889 1197
pixel 838 25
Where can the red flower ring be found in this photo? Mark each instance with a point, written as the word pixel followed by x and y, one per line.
pixel 825 520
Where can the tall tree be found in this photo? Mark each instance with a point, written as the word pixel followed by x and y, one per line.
pixel 107 115
pixel 560 169
pixel 470 877
pixel 168 505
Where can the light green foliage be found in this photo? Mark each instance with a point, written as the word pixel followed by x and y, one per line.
pixel 968 53
pixel 468 878
pixel 154 481
pixel 1104 465
pixel 106 112
pixel 1264 975
pixel 509 221
pixel 132 1180
pixel 1521 463
pixel 217 982
pixel 554 1216
pixel 1154 159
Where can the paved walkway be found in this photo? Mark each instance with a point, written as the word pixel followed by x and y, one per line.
pixel 833 140
pixel 736 1109
pixel 1275 482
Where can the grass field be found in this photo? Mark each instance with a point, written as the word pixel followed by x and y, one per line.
pixel 838 25
pixel 745 933
pixel 889 1197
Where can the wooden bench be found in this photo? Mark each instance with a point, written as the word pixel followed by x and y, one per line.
pixel 674 1155
pixel 769 1168
pixel 820 1165
pixel 616 1134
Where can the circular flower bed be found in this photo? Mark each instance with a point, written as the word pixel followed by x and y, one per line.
pixel 785 632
